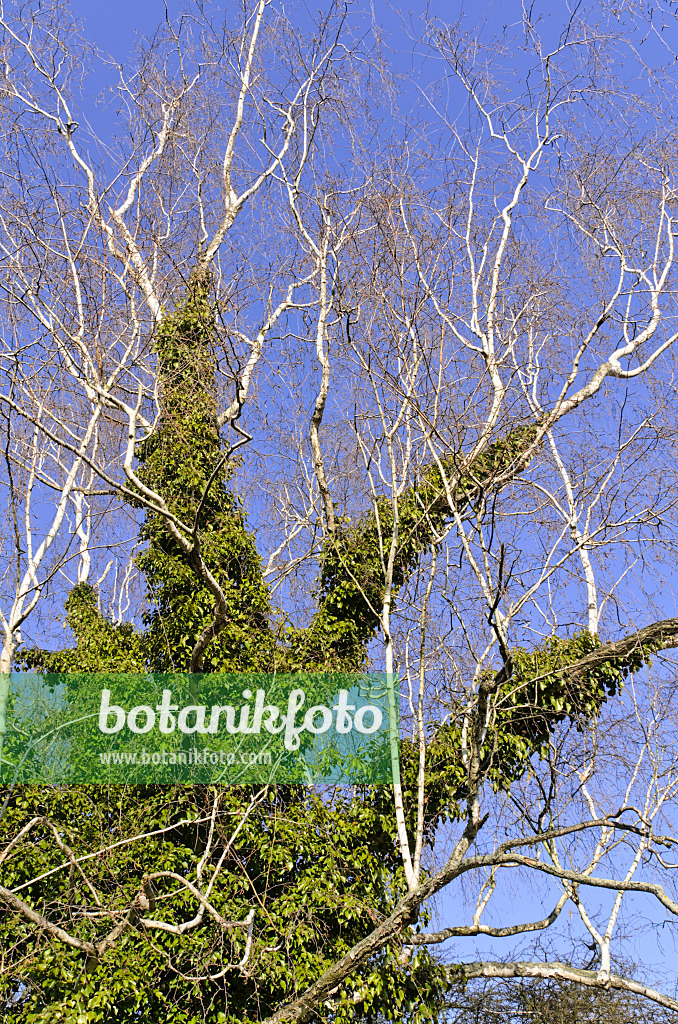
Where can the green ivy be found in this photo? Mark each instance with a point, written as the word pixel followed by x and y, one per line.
pixel 98 642
pixel 351 583
pixel 320 871
pixel 178 461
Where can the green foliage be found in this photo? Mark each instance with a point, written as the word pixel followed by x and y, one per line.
pixel 183 461
pixel 351 584
pixel 551 1002
pixel 418 995
pixel 537 695
pixel 99 643
pixel 320 871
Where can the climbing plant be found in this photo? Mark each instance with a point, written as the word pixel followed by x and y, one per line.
pixel 321 868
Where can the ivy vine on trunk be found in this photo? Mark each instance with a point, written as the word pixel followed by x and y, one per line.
pixel 325 868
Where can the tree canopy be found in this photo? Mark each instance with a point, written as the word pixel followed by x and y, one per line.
pixel 298 379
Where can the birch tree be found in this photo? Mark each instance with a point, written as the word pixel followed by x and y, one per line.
pixel 471 313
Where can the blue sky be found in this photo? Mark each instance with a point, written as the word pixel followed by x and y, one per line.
pixel 114 28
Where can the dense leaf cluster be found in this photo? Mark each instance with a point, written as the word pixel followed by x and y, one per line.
pixel 183 462
pixel 354 562
pixel 320 870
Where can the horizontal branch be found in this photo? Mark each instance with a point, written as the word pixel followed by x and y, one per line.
pixel 432 938
pixel 97 853
pixel 393 928
pixel 560 972
pixel 202 899
pixel 658 635
pixel 578 878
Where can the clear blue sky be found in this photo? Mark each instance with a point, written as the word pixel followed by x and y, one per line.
pixel 114 27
